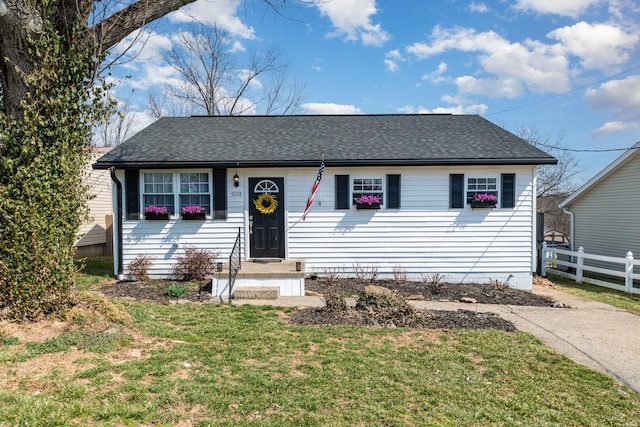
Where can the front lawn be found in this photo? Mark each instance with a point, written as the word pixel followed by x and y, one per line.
pixel 128 363
pixel 219 365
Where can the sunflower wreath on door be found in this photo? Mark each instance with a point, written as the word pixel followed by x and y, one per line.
pixel 266 203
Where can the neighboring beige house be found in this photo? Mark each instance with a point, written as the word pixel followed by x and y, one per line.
pixel 95 237
pixel 606 209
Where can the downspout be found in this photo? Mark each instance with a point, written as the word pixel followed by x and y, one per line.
pixel 120 273
pixel 571 231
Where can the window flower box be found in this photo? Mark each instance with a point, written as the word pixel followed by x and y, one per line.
pixel 484 201
pixel 152 213
pixel 368 202
pixel 193 213
pixel 194 216
pixel 482 205
pixel 367 205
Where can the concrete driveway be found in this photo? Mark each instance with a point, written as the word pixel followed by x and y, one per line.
pixel 596 335
pixel 599 336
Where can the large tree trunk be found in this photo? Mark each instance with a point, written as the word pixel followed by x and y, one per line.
pixel 20 19
pixel 16 22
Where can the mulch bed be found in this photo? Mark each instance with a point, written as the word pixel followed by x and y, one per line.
pixel 155 292
pixel 405 317
pixel 482 293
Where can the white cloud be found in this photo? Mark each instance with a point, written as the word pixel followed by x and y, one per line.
pixel 141 55
pixel 621 96
pixel 456 109
pixel 352 19
pixel 613 127
pixel 571 8
pixel 599 46
pixel 436 76
pixel 478 7
pixel 143 45
pixel 329 108
pixel 219 12
pixel 392 60
pixel 511 66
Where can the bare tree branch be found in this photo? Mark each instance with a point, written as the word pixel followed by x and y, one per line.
pixel 215 84
pixel 552 179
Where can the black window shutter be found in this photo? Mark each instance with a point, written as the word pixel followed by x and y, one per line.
pixel 342 192
pixel 393 191
pixel 219 194
pixel 508 190
pixel 132 193
pixel 456 190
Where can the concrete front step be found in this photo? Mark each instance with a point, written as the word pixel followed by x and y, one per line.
pixel 255 292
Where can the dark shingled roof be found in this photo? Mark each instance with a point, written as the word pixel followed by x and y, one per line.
pixel 354 140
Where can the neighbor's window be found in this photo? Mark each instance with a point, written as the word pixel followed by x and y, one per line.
pixel 194 190
pixel 158 190
pixel 481 185
pixel 367 187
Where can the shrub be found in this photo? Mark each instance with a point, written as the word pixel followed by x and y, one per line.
pixel 176 291
pixel 499 285
pixel 387 309
pixel 335 302
pixel 139 268
pixel 364 274
pixel 399 275
pixel 195 264
pixel 332 274
pixel 434 281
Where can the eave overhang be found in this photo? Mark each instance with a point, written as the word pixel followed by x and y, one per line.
pixel 328 162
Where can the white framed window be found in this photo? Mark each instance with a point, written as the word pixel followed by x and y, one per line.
pixel 367 186
pixel 195 190
pixel 481 185
pixel 176 189
pixel 157 190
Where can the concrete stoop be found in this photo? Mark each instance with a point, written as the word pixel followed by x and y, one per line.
pixel 255 292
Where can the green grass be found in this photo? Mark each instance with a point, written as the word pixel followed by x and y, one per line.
pixel 220 365
pixel 94 270
pixel 612 297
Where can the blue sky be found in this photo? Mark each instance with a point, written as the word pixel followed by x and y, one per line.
pixel 568 68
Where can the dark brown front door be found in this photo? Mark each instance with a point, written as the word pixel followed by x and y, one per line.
pixel 266 217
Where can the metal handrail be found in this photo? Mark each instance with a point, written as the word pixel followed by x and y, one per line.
pixel 235 262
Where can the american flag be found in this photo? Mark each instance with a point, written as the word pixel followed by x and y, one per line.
pixel 312 194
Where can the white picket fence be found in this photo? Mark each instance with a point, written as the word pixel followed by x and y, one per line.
pixel 575 260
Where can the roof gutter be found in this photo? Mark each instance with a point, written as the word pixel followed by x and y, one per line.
pixel 328 162
pixel 118 184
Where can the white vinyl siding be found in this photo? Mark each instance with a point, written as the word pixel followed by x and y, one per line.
pixel 424 236
pixel 606 217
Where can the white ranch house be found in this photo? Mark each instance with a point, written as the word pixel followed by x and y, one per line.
pixel 426 169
